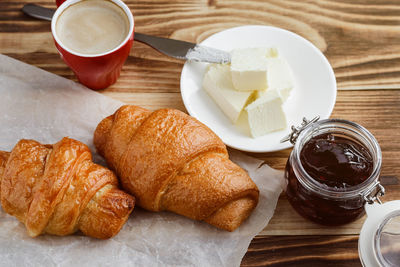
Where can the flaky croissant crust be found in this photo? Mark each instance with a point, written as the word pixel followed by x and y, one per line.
pixel 170 161
pixel 57 189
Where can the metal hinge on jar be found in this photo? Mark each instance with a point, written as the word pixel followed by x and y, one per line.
pixel 373 194
pixel 292 137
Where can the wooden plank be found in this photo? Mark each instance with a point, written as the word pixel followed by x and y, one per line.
pixel 302 251
pixel 153 100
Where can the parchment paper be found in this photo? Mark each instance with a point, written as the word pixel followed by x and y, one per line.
pixel 39 105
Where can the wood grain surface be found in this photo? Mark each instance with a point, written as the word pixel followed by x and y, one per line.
pixel 360 38
pixel 309 251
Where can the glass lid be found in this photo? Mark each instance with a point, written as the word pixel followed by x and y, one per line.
pixel 379 241
pixel 387 240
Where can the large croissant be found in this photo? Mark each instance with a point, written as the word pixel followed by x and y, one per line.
pixel 57 189
pixel 170 161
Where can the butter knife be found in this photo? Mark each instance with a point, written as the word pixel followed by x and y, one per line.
pixel 170 47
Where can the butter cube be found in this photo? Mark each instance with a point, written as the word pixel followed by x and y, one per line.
pixel 249 67
pixel 279 77
pixel 265 114
pixel 218 84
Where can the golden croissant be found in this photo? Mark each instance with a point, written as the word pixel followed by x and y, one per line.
pixel 57 189
pixel 170 161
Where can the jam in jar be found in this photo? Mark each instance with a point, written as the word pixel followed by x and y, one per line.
pixel 334 166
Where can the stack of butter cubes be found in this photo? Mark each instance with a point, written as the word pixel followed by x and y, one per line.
pixel 258 81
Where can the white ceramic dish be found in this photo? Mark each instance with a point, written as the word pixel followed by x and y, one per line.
pixel 314 93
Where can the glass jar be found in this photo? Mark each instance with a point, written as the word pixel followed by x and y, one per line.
pixel 319 202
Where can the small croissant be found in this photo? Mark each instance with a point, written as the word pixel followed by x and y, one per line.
pixel 170 161
pixel 57 189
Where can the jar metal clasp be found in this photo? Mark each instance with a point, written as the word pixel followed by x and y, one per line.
pixel 373 194
pixel 292 137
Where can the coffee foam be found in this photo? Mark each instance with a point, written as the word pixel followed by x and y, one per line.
pixel 92 27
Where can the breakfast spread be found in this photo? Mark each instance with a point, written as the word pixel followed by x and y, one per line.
pixel 257 82
pixel 218 84
pixel 169 161
pixel 266 114
pixel 336 161
pixel 249 67
pixel 57 189
pixel 332 167
pixel 279 77
pixel 175 163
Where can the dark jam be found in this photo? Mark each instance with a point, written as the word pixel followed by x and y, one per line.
pixel 337 163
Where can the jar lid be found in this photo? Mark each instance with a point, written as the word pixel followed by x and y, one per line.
pixel 379 241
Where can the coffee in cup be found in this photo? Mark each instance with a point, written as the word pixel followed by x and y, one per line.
pixel 92 26
pixel 94 38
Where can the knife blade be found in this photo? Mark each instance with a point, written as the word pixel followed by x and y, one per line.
pixel 170 47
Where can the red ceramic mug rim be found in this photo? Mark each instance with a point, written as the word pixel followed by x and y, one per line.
pixel 67 3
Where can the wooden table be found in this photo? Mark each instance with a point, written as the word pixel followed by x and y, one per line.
pixel 361 39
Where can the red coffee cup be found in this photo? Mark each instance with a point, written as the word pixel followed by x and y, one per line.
pixel 96 71
pixel 59 2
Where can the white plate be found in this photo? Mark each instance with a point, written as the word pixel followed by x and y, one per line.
pixel 314 93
